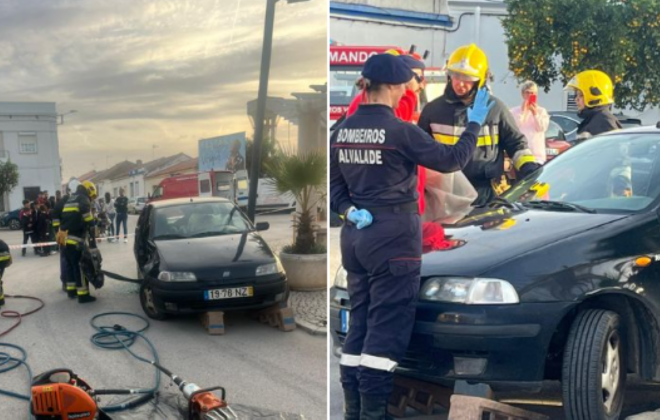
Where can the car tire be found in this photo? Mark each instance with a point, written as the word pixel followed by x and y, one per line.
pixel 14 224
pixel 595 347
pixel 148 306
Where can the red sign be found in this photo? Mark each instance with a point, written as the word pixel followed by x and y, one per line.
pixel 336 111
pixel 354 56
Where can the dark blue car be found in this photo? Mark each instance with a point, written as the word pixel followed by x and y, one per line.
pixel 559 280
pixel 11 220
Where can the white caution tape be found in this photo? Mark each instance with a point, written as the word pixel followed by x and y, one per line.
pixel 44 244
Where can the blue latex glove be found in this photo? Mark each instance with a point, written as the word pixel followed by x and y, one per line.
pixel 480 107
pixel 361 218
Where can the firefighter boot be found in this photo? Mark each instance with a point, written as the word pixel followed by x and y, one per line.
pixel 374 407
pixel 351 405
pixel 86 298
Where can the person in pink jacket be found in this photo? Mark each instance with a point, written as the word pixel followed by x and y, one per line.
pixel 532 120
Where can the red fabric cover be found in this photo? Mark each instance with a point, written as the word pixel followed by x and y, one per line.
pixel 433 237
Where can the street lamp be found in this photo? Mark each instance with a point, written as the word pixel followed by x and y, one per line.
pixel 261 103
pixel 73 111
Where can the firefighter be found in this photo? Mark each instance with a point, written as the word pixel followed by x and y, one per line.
pixel 5 261
pixel 594 96
pixel 373 177
pixel 445 118
pixel 57 215
pixel 76 224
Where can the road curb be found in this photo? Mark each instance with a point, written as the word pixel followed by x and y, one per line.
pixel 310 328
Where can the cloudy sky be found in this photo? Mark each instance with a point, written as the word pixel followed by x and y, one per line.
pixel 145 72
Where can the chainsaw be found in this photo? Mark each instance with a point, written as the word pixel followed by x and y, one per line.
pixel 60 394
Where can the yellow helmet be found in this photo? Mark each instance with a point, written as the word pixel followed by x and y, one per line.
pixel 91 189
pixel 469 61
pixel 596 87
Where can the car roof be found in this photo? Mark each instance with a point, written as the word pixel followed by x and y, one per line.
pixel 189 200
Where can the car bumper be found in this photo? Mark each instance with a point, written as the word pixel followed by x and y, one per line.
pixel 182 298
pixel 504 346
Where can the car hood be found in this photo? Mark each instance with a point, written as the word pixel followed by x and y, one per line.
pixel 216 257
pixel 499 235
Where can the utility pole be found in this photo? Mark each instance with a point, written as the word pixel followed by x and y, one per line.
pixel 261 107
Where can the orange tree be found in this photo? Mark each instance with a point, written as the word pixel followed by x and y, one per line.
pixel 552 40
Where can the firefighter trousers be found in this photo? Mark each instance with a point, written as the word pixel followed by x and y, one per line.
pixel 75 280
pixel 383 264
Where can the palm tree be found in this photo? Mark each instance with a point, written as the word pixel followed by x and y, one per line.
pixel 303 175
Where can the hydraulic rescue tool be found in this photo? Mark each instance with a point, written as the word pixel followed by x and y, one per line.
pixel 60 394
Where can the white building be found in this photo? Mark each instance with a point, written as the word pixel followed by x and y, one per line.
pixel 402 23
pixel 28 137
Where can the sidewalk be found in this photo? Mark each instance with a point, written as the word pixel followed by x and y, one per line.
pixel 310 311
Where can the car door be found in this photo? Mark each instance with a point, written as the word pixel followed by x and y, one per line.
pixel 569 125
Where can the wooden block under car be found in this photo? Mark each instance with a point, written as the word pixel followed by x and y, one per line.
pixel 464 407
pixel 214 322
pixel 276 316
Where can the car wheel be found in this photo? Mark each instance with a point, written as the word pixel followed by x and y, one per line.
pixel 594 371
pixel 14 224
pixel 147 301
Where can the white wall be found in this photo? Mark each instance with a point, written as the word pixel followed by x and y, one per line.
pixel 42 169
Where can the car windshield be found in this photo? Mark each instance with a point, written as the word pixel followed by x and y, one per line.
pixel 614 173
pixel 196 220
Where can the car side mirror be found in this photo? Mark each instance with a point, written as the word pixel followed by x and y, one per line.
pixel 261 226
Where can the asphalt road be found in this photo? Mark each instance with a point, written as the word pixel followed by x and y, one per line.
pixel 639 398
pixel 257 364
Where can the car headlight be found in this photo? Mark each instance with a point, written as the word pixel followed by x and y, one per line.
pixel 341 278
pixel 266 269
pixel 176 276
pixel 469 291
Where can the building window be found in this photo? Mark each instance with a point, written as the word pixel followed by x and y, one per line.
pixel 132 190
pixel 115 191
pixel 27 143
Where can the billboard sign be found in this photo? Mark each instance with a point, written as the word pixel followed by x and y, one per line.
pixel 223 153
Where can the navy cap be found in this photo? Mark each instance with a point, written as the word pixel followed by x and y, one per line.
pixel 388 69
pixel 412 62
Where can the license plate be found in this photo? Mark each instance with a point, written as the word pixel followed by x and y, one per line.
pixel 235 292
pixel 551 152
pixel 345 320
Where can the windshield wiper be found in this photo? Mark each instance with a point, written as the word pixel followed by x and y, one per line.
pixel 211 233
pixel 501 201
pixel 558 205
pixel 169 236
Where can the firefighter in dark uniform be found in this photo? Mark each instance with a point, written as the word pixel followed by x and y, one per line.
pixel 57 215
pixel 445 118
pixel 373 180
pixel 76 225
pixel 594 97
pixel 5 261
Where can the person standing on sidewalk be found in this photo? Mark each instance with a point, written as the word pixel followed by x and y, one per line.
pixel 121 205
pixel 532 120
pixel 28 222
pixel 374 158
pixel 111 212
